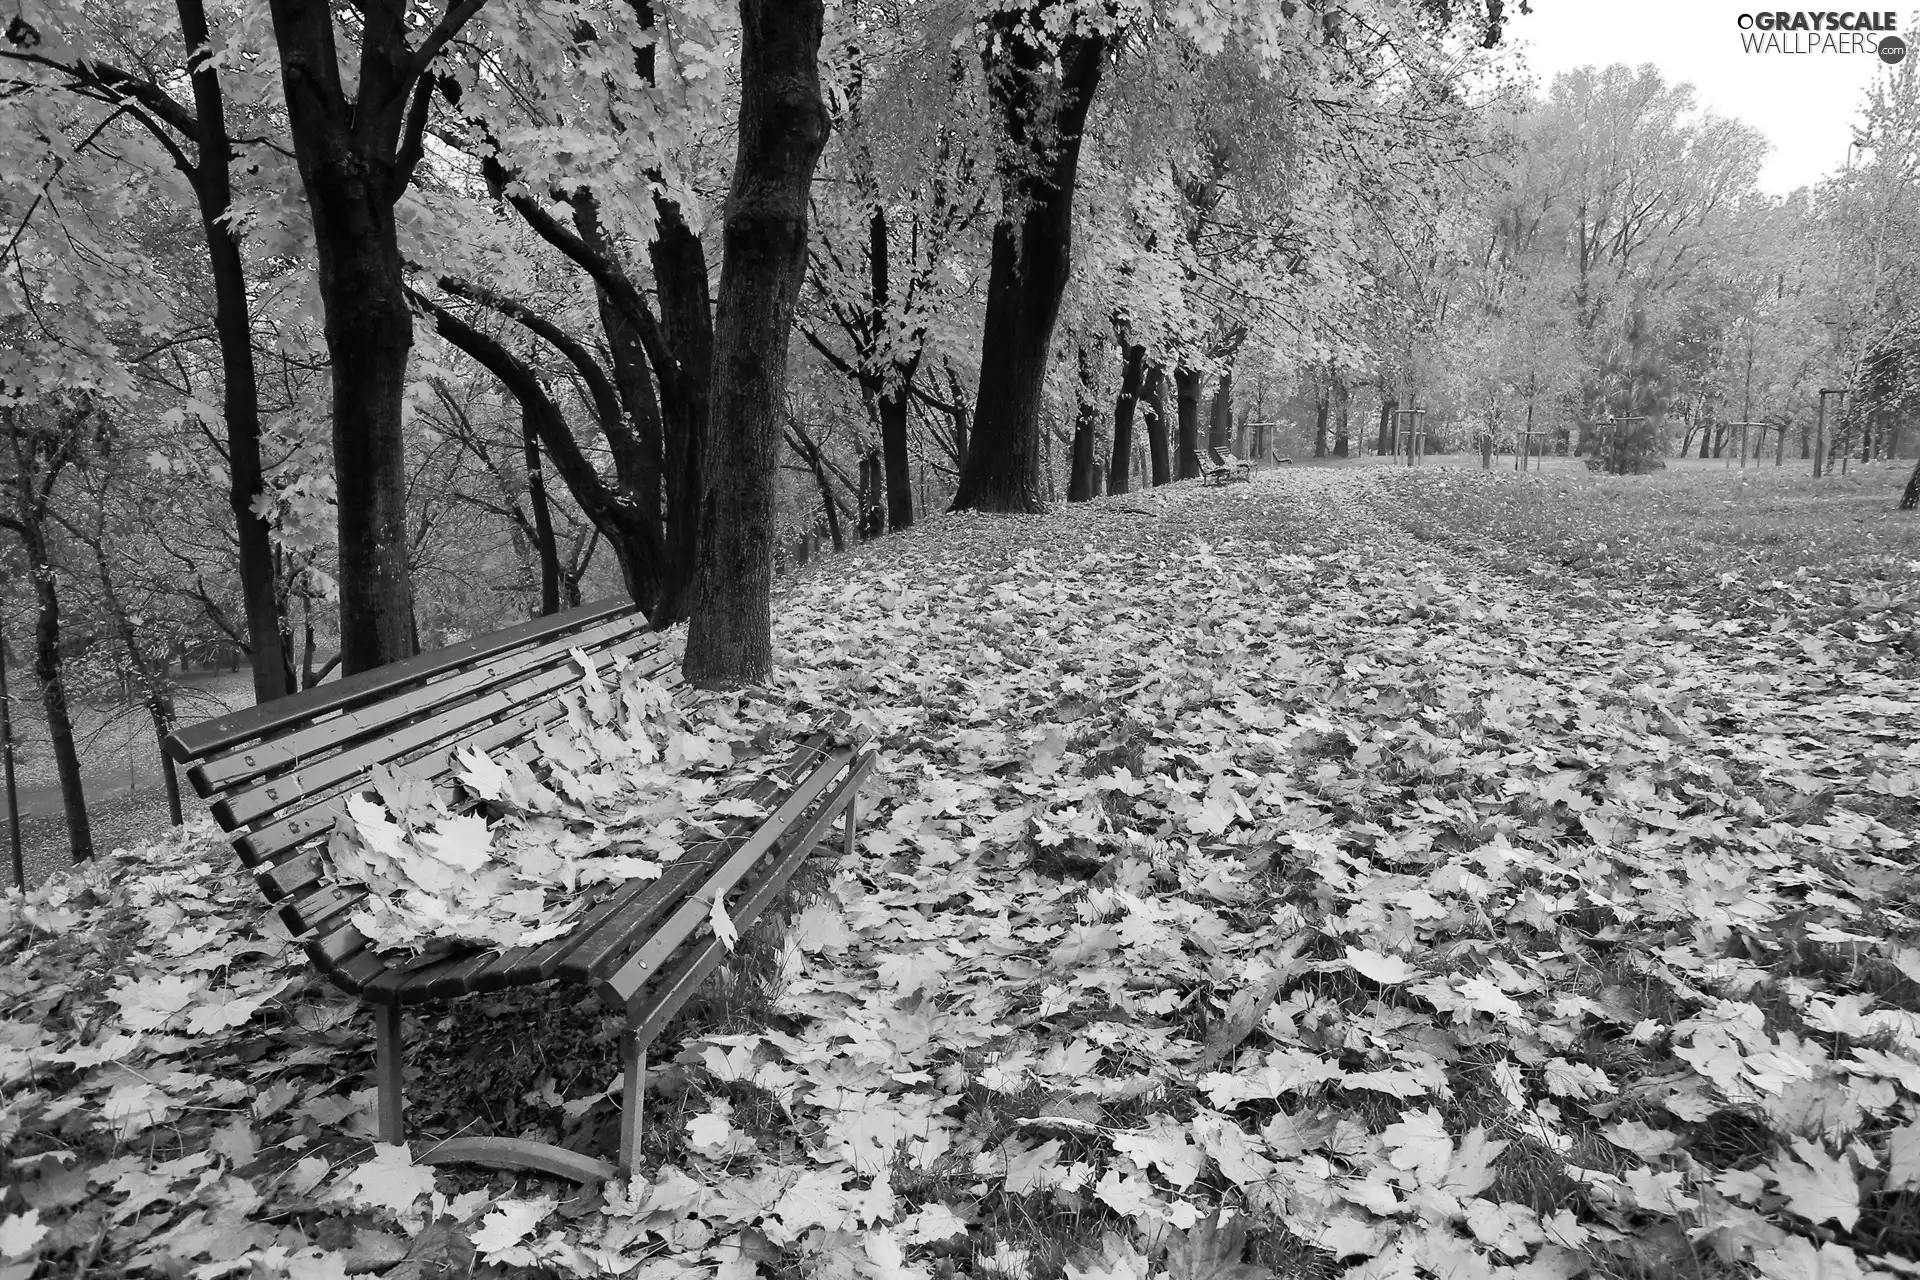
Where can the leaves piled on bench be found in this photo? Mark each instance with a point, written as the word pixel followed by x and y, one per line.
pixel 624 773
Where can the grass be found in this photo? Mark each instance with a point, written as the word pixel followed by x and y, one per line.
pixel 1700 535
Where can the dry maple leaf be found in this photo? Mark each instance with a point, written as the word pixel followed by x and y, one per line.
pixel 1211 1250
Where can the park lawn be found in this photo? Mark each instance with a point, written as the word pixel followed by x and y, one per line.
pixel 1307 877
pixel 1760 541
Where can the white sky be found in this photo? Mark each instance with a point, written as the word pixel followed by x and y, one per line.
pixel 1804 103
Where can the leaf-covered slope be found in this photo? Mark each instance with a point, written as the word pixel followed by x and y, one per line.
pixel 1231 858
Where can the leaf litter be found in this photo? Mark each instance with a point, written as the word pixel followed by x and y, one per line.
pixel 1248 890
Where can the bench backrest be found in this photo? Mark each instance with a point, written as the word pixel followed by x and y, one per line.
pixel 276 775
pixel 1206 463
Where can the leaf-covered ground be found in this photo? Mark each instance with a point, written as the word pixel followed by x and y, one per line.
pixel 1256 885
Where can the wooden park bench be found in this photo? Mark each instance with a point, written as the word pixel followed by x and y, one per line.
pixel 278 775
pixel 1212 472
pixel 1242 469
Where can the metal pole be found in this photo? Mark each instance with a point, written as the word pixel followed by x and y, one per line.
pixel 1819 433
pixel 6 749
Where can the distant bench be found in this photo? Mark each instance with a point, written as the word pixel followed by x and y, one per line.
pixel 279 774
pixel 1217 466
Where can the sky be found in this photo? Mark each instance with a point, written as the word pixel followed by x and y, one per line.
pixel 1804 103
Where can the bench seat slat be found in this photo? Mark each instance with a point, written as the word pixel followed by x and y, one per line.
pixel 284 833
pixel 227 772
pixel 310 912
pixel 523 965
pixel 247 805
pixel 336 945
pixel 355 972
pixel 622 983
pixel 613 934
pixel 199 741
pixel 653 1009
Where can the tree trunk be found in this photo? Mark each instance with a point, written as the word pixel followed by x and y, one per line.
pixel 1042 103
pixel 1910 497
pixel 1132 361
pixel 893 406
pixel 544 544
pixel 1186 387
pixel 268 640
pixel 51 671
pixel 1080 477
pixel 1153 391
pixel 354 166
pixel 890 401
pixel 782 128
pixel 1321 409
pixel 1220 424
pixel 1384 445
pixel 872 496
pixel 1342 402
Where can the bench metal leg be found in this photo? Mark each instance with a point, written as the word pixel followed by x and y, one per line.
pixel 853 821
pixel 633 1096
pixel 388 1064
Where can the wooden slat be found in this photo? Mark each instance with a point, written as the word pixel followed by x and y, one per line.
pixel 317 817
pixel 304 743
pixel 622 984
pixel 355 973
pixel 270 843
pixel 335 946
pixel 311 911
pixel 615 934
pixel 524 965
pixel 290 875
pixel 429 981
pixel 196 742
pixel 247 805
pixel 657 1005
pixel 284 875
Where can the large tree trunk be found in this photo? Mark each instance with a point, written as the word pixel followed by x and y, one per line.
pixel 890 402
pixel 1186 386
pixel 1080 478
pixel 1910 497
pixel 544 544
pixel 268 640
pixel 1321 408
pixel 1384 445
pixel 1220 425
pixel 1159 459
pixel 1042 105
pixel 782 128
pixel 354 167
pixel 686 316
pixel 893 406
pixel 1133 359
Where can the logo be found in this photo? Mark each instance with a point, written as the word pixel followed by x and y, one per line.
pixel 1797 32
